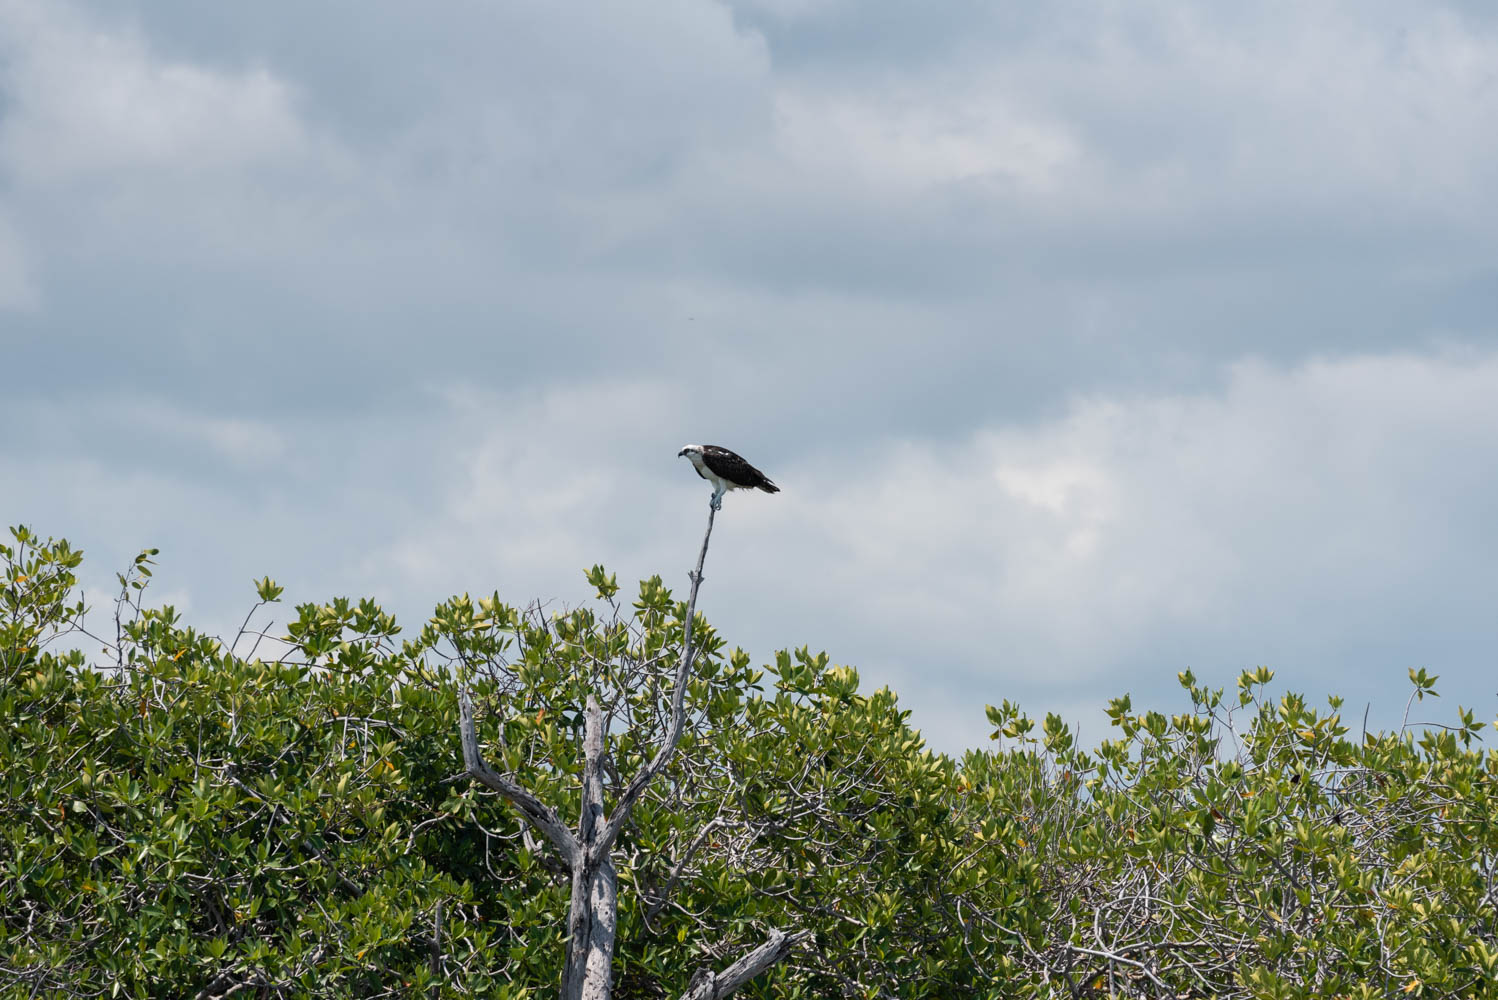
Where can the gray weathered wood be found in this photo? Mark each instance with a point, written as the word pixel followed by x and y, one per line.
pixel 708 985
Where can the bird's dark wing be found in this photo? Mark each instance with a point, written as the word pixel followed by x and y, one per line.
pixel 733 468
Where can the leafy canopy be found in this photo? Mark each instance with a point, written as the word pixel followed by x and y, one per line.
pixel 284 814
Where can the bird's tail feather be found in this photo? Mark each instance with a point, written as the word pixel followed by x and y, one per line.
pixel 769 487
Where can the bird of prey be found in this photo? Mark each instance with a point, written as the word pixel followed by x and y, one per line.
pixel 726 471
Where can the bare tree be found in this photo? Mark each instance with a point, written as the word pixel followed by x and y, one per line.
pixel 587 850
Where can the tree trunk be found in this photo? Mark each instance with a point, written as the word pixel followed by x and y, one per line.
pixel 592 923
pixel 594 910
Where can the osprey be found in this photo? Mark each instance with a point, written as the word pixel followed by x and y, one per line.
pixel 726 471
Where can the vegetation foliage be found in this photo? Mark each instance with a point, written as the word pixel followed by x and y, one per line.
pixel 288 816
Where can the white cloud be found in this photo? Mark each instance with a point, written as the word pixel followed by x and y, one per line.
pixel 85 99
pixel 1324 101
pixel 906 141
pixel 535 488
pixel 1196 125
pixel 147 428
pixel 249 443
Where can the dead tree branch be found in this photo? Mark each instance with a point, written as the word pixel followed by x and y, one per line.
pixel 713 986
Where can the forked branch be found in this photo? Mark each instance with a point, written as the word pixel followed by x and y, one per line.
pixel 646 774
pixel 536 812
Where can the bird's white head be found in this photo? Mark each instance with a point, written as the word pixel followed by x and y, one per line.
pixel 690 449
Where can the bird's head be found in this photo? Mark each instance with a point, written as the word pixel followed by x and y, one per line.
pixel 691 449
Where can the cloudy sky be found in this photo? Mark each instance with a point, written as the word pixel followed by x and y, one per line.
pixel 1088 341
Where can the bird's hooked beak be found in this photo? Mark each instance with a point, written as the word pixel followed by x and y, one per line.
pixel 681 453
